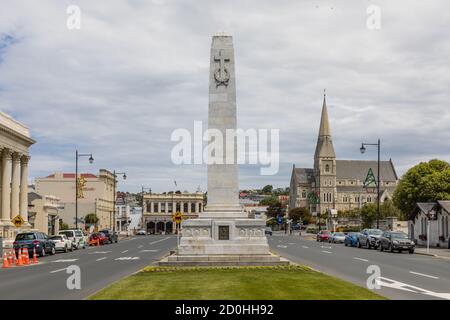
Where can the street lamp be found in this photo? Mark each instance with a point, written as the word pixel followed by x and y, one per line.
pixel 115 174
pixel 363 150
pixel 143 192
pixel 91 161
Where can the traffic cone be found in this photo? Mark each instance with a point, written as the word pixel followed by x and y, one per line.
pixel 26 257
pixel 14 256
pixel 35 261
pixel 5 261
pixel 10 257
pixel 19 258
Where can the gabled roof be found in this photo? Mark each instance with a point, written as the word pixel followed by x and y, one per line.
pixel 358 169
pixel 424 207
pixel 445 204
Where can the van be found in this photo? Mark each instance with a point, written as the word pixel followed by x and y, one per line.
pixel 76 236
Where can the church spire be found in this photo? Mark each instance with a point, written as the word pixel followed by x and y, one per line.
pixel 324 146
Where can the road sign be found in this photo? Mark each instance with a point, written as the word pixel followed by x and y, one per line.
pixel 280 220
pixel 177 217
pixel 18 221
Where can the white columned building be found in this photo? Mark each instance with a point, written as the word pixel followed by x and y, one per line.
pixel 15 141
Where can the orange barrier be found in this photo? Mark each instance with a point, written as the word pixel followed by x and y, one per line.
pixel 19 258
pixel 35 261
pixel 5 261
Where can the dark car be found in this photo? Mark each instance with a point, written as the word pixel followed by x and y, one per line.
pixel 101 237
pixel 34 240
pixel 323 235
pixel 111 235
pixel 395 240
pixel 268 231
pixel 296 226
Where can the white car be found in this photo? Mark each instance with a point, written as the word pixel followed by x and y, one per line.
pixel 141 233
pixel 62 243
pixel 337 237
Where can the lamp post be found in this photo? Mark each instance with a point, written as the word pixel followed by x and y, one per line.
pixel 114 196
pixel 363 150
pixel 143 192
pixel 91 161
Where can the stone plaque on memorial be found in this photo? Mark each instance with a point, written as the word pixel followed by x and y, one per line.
pixel 224 233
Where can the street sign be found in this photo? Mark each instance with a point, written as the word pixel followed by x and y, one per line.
pixel 280 220
pixel 18 221
pixel 177 217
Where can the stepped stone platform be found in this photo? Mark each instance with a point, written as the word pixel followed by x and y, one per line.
pixel 223 260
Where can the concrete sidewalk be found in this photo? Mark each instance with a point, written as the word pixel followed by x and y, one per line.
pixel 434 252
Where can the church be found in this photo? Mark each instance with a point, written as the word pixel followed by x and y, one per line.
pixel 337 184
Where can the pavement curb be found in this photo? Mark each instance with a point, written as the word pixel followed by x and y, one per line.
pixel 432 255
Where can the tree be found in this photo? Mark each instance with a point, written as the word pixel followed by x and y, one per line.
pixel 425 182
pixel 269 201
pixel 300 214
pixel 63 226
pixel 275 209
pixel 91 218
pixel 267 189
pixel 369 214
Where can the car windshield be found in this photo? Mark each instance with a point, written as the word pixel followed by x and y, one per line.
pixel 56 238
pixel 339 234
pixel 67 233
pixel 374 231
pixel 399 235
pixel 25 236
pixel 326 232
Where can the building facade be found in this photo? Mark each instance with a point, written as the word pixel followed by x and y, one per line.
pixel 337 184
pixel 159 209
pixel 15 141
pixel 96 196
pixel 43 213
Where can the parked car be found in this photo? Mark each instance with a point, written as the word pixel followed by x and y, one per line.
pixel 34 240
pixel 101 237
pixel 369 238
pixel 323 235
pixel 351 239
pixel 337 237
pixel 141 232
pixel 76 236
pixel 296 226
pixel 269 231
pixel 394 240
pixel 62 243
pixel 111 235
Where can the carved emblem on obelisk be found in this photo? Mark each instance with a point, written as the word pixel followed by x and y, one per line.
pixel 221 74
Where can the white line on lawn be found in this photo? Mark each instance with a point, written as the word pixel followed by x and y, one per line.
pixel 424 275
pixel 326 251
pixel 154 242
pixel 101 259
pixel 361 259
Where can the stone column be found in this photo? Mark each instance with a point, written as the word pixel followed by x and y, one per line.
pixel 182 207
pixel 167 207
pixel 159 207
pixel 189 207
pixel 24 189
pixel 6 187
pixel 15 185
pixel 152 207
pixel 197 207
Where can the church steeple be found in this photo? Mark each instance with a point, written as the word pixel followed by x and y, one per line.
pixel 324 148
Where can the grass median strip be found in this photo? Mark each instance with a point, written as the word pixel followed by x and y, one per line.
pixel 233 283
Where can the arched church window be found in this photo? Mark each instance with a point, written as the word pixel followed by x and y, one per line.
pixel 327 168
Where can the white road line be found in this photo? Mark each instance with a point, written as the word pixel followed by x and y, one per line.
pixel 154 242
pixel 65 260
pixel 326 251
pixel 140 247
pixel 325 247
pixel 361 259
pixel 424 275
pixel 59 270
pixel 100 252
pixel 127 258
pixel 280 246
pixel 155 250
pixel 305 247
pixel 101 259
pixel 390 283
pixel 125 251
pixel 291 243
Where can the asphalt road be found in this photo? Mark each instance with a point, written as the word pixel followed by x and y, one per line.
pixel 403 276
pixel 99 266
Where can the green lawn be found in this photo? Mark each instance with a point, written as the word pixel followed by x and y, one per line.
pixel 233 283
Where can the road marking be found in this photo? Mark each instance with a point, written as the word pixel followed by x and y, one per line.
pixel 280 246
pixel 326 251
pixel 305 247
pixel 325 247
pixel 361 259
pixel 424 275
pixel 155 250
pixel 127 258
pixel 386 282
pixel 154 242
pixel 59 270
pixel 65 260
pixel 291 243
pixel 101 259
pixel 140 247
pixel 100 252
pixel 125 251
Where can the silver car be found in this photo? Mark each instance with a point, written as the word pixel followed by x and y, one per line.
pixel 369 238
pixel 337 237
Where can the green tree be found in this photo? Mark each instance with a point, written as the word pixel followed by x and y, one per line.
pixel 63 226
pixel 369 214
pixel 300 214
pixel 427 181
pixel 269 201
pixel 276 209
pixel 267 189
pixel 91 218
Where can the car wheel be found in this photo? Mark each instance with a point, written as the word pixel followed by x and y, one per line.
pixel 42 253
pixel 52 251
pixel 345 243
pixel 411 251
pixel 390 248
pixel 358 244
pixel 368 245
pixel 381 248
pixel 66 249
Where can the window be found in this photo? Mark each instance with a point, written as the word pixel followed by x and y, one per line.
pixel 304 194
pixel 327 168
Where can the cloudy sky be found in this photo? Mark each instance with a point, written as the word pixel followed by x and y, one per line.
pixel 138 69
